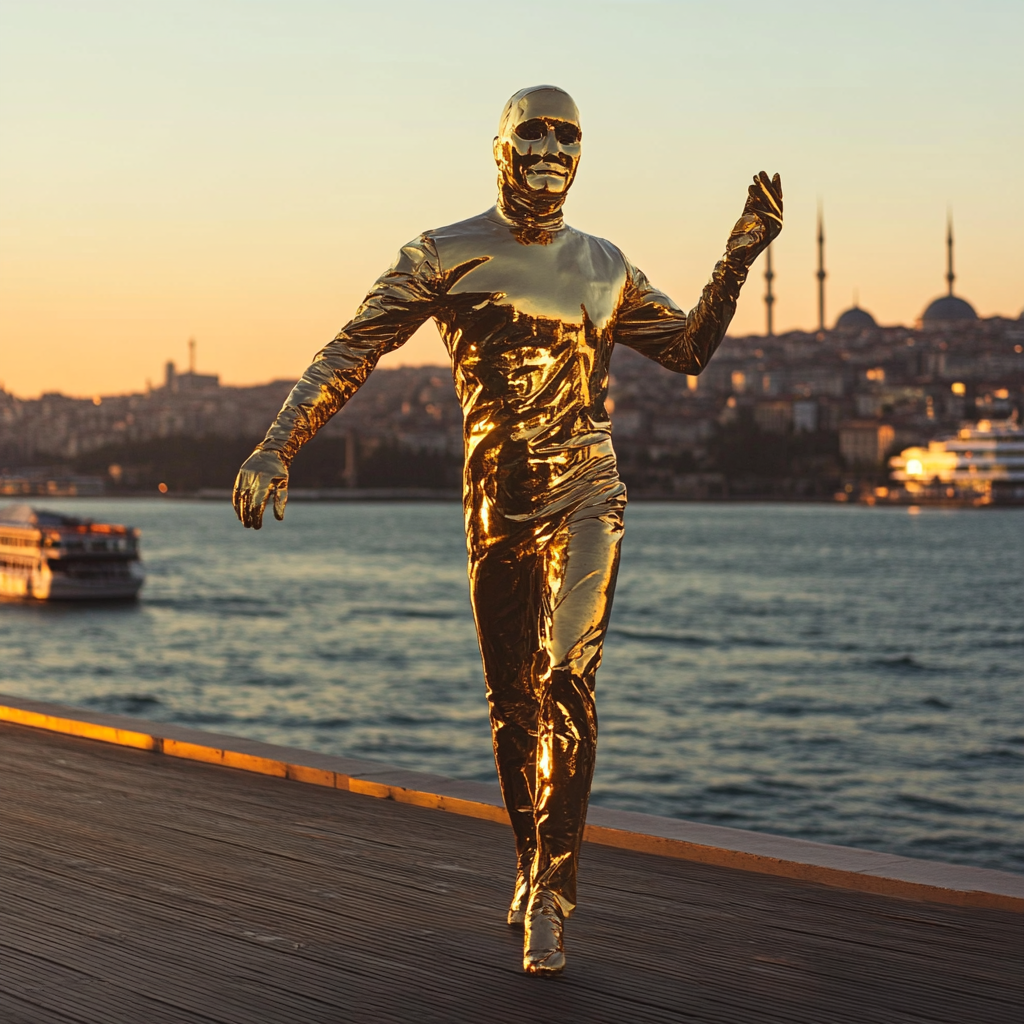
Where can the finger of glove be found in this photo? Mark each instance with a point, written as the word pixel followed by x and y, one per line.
pixel 764 183
pixel 761 192
pixel 280 500
pixel 246 509
pixel 255 517
pixel 774 187
pixel 254 500
pixel 773 201
pixel 239 498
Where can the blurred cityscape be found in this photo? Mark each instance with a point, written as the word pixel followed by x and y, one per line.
pixel 857 412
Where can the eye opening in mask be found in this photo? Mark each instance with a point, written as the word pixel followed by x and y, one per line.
pixel 537 128
pixel 567 133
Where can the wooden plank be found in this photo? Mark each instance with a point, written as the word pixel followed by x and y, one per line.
pixel 188 892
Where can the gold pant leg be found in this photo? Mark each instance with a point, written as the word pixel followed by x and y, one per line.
pixel 542 601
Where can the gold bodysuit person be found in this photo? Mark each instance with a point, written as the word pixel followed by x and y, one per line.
pixel 529 310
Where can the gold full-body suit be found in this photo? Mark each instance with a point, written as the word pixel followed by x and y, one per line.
pixel 529 310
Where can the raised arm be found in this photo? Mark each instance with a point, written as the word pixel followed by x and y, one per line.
pixel 401 300
pixel 650 322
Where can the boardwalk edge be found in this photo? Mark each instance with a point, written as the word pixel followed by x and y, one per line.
pixel 842 867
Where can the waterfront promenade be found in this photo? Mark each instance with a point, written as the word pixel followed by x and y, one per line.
pixel 141 887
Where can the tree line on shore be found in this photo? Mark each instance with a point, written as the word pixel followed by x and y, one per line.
pixel 742 461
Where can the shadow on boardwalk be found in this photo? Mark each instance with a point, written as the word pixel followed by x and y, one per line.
pixel 141 888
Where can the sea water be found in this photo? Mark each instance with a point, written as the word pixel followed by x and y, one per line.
pixel 844 674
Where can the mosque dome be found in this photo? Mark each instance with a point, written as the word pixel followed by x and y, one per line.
pixel 947 308
pixel 855 319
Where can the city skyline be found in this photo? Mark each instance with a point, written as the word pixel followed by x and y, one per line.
pixel 240 174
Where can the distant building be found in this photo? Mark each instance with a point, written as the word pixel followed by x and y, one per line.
pixel 865 443
pixel 805 417
pixel 948 308
pixel 855 319
pixel 176 382
pixel 774 417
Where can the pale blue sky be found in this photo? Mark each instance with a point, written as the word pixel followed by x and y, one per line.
pixel 242 171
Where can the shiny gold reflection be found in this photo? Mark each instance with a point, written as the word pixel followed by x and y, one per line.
pixel 529 310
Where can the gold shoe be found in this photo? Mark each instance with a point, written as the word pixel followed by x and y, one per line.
pixel 520 898
pixel 542 940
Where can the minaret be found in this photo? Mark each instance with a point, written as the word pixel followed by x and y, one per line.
pixel 950 277
pixel 769 298
pixel 192 355
pixel 821 271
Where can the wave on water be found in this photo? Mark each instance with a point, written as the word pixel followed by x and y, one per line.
pixel 124 704
pixel 917 802
pixel 692 640
pixel 649 636
pixel 373 611
pixel 754 641
pixel 903 663
pixel 232 606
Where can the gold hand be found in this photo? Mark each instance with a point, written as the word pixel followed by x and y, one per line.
pixel 263 474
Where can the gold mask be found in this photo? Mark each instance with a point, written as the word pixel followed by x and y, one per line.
pixel 537 150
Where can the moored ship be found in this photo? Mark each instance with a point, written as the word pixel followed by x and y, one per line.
pixel 982 464
pixel 49 556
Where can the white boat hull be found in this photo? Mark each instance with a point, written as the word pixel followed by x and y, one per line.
pixel 41 584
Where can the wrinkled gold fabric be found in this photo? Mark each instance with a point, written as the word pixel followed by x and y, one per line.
pixel 529 310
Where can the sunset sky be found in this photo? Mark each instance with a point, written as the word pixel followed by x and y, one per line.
pixel 240 171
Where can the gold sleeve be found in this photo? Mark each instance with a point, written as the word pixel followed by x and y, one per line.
pixel 652 324
pixel 401 300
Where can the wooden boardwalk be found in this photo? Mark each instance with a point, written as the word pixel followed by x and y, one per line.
pixel 148 889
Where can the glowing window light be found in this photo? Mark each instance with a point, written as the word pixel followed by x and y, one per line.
pixel 914 467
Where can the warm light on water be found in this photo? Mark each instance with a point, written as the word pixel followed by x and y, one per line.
pixel 844 674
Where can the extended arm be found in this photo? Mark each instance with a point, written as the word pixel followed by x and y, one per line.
pixel 397 304
pixel 650 322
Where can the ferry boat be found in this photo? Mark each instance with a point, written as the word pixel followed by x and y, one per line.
pixel 49 556
pixel 982 464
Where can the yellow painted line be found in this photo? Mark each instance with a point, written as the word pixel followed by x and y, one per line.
pixel 473 809
pixel 192 751
pixel 419 798
pixel 663 846
pixel 73 727
pixel 312 776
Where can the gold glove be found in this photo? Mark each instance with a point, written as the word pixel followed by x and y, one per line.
pixel 760 222
pixel 263 474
